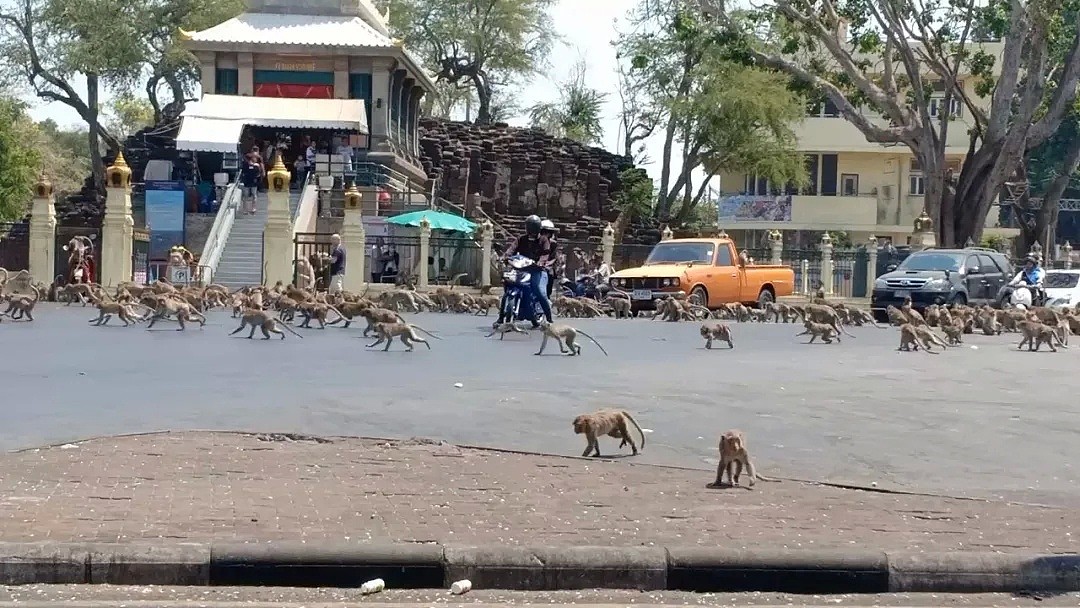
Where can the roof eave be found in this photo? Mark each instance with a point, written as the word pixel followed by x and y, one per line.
pixel 425 79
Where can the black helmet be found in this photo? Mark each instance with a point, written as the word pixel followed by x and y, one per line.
pixel 1032 258
pixel 532 225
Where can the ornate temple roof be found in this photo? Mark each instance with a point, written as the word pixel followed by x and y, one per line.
pixel 295 29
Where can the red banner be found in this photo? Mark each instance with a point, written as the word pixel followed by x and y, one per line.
pixel 298 91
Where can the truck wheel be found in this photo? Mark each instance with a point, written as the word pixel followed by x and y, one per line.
pixel 699 296
pixel 764 298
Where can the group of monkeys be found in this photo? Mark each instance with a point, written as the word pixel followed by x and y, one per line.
pixel 734 454
pixel 1037 326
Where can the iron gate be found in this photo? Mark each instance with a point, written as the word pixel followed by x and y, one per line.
pixel 308 244
pixel 15 246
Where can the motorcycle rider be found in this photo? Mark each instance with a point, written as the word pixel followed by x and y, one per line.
pixel 547 228
pixel 1030 276
pixel 537 247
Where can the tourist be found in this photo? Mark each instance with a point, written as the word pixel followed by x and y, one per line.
pixel 377 260
pixel 337 265
pixel 346 152
pixel 309 160
pixel 250 175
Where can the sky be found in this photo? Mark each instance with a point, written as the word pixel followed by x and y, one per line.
pixel 587 28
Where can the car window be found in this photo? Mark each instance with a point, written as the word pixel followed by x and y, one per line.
pixel 674 253
pixel 1061 280
pixel 932 261
pixel 1004 263
pixel 723 256
pixel 989 265
pixel 971 262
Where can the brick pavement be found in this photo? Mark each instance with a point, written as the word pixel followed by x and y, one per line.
pixel 221 486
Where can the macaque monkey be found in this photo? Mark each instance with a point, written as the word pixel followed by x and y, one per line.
pixel 607 422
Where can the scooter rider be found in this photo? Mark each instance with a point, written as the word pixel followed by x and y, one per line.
pixel 535 246
pixel 547 228
pixel 1031 276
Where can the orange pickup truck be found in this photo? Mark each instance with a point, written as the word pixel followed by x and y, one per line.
pixel 709 271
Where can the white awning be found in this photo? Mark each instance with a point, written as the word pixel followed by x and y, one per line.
pixel 283 112
pixel 199 134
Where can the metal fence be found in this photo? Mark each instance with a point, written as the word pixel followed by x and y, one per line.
pixel 760 255
pixel 193 274
pixel 15 247
pixel 453 257
pixel 140 256
pixel 844 265
pixel 310 246
pixel 394 259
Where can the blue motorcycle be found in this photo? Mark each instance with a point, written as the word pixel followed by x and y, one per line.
pixel 518 303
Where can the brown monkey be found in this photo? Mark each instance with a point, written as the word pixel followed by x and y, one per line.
pixel 375 315
pixel 565 334
pixel 403 331
pixel 607 422
pixel 318 311
pixel 264 320
pixel 954 333
pixel 107 309
pixel 716 331
pixel 506 327
pixel 734 455
pixel 22 305
pixel 179 309
pixel 827 315
pixel 1036 334
pixel 928 336
pixel 911 340
pixel 826 332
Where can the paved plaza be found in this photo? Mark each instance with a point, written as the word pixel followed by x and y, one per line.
pixel 987 421
pixel 235 487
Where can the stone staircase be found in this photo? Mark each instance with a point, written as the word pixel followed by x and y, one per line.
pixel 241 261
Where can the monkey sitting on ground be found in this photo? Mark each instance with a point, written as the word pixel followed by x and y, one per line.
pixel 607 422
pixel 263 320
pixel 1036 334
pixel 734 455
pixel 22 305
pixel 954 332
pixel 716 331
pixel 826 332
pixel 911 340
pixel 565 334
pixel 403 331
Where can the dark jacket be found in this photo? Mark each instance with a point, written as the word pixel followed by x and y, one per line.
pixel 539 249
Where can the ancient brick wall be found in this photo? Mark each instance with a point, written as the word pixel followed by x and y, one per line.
pixel 518 172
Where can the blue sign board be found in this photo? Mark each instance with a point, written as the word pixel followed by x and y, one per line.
pixel 165 206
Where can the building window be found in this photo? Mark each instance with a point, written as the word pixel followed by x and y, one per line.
pixel 956 107
pixel 226 81
pixel 757 185
pixel 825 108
pixel 849 184
pixel 916 184
pixel 829 165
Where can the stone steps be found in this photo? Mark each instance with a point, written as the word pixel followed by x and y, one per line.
pixel 241 261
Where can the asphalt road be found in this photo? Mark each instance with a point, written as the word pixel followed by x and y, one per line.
pixel 985 421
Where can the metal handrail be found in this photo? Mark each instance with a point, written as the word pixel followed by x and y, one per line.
pixel 219 232
pixel 300 196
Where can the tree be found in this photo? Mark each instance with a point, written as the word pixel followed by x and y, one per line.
pixel 899 56
pixel 1048 171
pixel 19 158
pixel 109 44
pixel 576 114
pixel 481 43
pixel 127 114
pixel 634 199
pixel 637 119
pixel 725 116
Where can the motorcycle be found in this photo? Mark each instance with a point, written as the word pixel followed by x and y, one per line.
pixel 1026 296
pixel 518 303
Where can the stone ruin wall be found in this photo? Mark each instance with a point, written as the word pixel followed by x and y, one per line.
pixel 518 172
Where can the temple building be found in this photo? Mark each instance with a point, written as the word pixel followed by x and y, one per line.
pixel 323 73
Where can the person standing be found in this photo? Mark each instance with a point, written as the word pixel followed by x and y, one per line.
pixel 337 265
pixel 250 175
pixel 346 152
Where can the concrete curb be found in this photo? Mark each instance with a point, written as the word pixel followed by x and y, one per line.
pixel 425 566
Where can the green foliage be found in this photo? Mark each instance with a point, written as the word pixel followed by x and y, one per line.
pixel 128 113
pixel 636 195
pixel 20 160
pixel 576 115
pixel 1045 162
pixel 997 242
pixel 484 44
pixel 727 116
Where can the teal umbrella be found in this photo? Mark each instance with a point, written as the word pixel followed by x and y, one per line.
pixel 437 219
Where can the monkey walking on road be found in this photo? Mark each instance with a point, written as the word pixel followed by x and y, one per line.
pixel 506 327
pixel 565 334
pixel 263 320
pixel 404 331
pixel 733 455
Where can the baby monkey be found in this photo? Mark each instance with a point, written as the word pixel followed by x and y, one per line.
pixel 716 331
pixel 734 455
